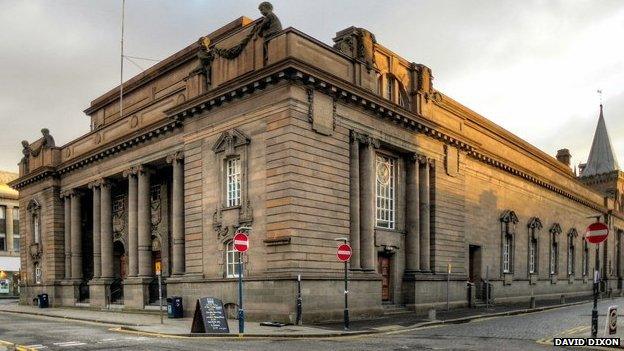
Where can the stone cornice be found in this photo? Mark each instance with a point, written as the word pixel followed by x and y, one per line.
pixel 297 72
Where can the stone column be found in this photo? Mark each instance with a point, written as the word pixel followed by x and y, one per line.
pixel 133 267
pixel 144 223
pixel 354 189
pixel 67 234
pixel 425 218
pixel 106 225
pixel 412 216
pixel 97 252
pixel 9 228
pixel 367 205
pixel 76 235
pixel 177 212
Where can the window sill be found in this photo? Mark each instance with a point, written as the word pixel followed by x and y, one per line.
pixel 553 278
pixel 226 208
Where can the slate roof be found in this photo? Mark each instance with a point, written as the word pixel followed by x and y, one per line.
pixel 602 158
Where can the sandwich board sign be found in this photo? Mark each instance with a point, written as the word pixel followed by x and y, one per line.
pixel 209 317
pixel 611 323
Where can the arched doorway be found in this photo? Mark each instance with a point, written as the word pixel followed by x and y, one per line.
pixel 119 271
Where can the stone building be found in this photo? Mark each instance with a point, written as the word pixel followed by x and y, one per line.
pixel 269 128
pixel 9 237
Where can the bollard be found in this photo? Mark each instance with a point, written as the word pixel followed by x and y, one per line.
pixel 532 302
pixel 562 299
pixel 432 314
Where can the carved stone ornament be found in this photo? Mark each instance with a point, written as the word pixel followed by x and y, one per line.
pixel 358 43
pixel 155 205
pixel 119 216
pixel 555 229
pixel 217 224
pixel 509 220
pixel 535 223
pixel 35 251
pixel 230 140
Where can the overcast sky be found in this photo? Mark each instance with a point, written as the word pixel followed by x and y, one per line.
pixel 532 67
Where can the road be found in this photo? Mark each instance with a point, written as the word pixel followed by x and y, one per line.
pixel 521 332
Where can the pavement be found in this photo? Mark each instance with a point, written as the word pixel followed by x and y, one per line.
pixel 502 330
pixel 150 323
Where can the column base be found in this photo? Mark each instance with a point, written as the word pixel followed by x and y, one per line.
pixel 99 290
pixel 136 292
pixel 68 292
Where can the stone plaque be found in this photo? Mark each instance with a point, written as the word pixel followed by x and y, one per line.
pixel 322 113
pixel 452 161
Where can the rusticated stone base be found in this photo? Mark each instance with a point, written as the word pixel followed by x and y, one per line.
pixel 99 292
pixel 136 292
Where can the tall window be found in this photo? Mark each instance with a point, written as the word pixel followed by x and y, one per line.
pixel 3 227
pixel 233 182
pixel 36 229
pixel 38 273
pixel 385 192
pixel 16 235
pixel 571 250
pixel 389 93
pixel 554 253
pixel 231 260
pixel 507 249
pixel 532 256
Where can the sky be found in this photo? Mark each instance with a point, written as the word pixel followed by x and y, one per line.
pixel 533 67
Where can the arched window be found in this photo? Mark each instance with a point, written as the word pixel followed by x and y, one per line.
pixel 232 259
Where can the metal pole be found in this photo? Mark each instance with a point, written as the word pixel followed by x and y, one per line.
pixel 448 284
pixel 299 301
pixel 594 320
pixel 346 297
pixel 487 287
pixel 241 311
pixel 123 10
pixel 160 297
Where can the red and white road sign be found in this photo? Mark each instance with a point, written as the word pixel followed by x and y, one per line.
pixel 597 233
pixel 344 252
pixel 241 242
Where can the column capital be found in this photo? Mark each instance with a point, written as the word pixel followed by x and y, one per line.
pixel 144 169
pixel 177 156
pixel 71 193
pixel 364 139
pixel 422 159
pixel 132 171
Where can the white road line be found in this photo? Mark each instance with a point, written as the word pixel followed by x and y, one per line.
pixel 36 347
pixel 69 343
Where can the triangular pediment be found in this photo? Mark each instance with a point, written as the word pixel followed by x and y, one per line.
pixel 230 140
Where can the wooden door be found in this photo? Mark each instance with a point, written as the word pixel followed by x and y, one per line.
pixel 384 270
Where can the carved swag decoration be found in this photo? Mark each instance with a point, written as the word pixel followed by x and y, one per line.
pixel 267 28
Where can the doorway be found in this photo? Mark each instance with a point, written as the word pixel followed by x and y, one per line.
pixel 474 264
pixel 384 265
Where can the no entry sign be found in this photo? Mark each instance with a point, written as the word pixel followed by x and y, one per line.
pixel 344 252
pixel 241 242
pixel 597 233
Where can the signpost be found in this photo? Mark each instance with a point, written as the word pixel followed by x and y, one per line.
pixel 344 255
pixel 158 270
pixel 595 234
pixel 241 245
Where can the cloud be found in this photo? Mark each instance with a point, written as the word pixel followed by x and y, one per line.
pixel 531 66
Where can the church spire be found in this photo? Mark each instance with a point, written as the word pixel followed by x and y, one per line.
pixel 601 159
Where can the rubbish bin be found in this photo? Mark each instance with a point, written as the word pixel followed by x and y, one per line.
pixel 174 307
pixel 471 295
pixel 42 301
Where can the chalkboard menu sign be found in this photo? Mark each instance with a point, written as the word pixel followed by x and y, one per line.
pixel 209 317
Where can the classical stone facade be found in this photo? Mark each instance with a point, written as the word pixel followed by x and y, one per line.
pixel 9 237
pixel 304 143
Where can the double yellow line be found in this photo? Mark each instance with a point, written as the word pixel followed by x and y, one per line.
pixel 13 346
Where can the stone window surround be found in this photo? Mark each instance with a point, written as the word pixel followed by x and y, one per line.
pixel 393 188
pixel 571 249
pixel 509 221
pixel 534 227
pixel 553 264
pixel 232 144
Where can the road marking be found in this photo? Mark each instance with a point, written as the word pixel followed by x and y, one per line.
pixel 69 343
pixel 15 346
pixel 36 347
pixel 569 332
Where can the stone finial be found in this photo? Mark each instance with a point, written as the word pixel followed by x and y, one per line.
pixel 358 43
